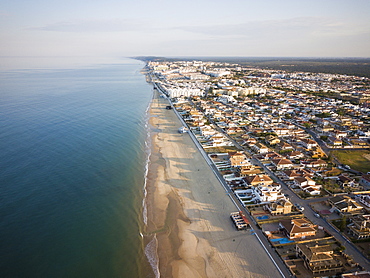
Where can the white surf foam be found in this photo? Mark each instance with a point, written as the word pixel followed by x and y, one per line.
pixel 151 252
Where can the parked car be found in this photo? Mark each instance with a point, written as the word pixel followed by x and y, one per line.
pixel 299 207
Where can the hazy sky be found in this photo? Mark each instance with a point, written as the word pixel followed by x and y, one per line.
pixel 117 28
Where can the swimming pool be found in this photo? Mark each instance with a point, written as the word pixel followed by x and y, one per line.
pixel 281 240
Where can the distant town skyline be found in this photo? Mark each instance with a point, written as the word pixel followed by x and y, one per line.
pixel 113 29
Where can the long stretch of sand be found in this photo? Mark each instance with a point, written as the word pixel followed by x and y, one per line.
pixel 188 210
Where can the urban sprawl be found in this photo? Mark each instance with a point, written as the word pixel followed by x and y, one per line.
pixel 292 149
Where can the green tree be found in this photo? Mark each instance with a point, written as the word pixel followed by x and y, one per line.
pixel 343 224
pixel 323 115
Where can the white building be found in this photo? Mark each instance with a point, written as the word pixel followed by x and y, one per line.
pixel 206 131
pixel 265 194
pixel 251 91
pixel 226 99
pixel 186 92
pixel 218 140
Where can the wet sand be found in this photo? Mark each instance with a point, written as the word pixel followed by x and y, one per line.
pixel 188 210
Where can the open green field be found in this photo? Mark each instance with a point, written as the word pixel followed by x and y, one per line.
pixel 357 160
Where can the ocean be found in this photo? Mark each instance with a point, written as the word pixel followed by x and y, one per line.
pixel 73 158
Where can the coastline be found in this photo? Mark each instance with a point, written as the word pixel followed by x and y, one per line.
pixel 188 210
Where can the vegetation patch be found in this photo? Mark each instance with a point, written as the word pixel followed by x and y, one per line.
pixel 225 149
pixel 341 224
pixel 357 159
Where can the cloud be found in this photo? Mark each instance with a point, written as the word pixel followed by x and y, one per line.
pixel 294 27
pixel 301 36
pixel 111 25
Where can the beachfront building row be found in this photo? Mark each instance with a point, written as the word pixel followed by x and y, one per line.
pixel 273 126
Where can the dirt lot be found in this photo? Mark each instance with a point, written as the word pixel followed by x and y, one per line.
pixel 323 210
pixel 364 247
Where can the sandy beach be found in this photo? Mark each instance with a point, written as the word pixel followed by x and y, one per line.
pixel 188 210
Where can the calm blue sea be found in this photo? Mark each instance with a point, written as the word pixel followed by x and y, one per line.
pixel 72 167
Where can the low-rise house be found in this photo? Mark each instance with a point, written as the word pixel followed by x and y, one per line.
pixel 218 139
pixel 289 125
pixel 317 152
pixel 282 131
pixel 314 163
pixel 308 185
pixel 234 130
pixel 345 181
pixel 269 155
pixel 282 163
pixel 297 228
pixel 324 129
pixel 319 259
pixel 340 134
pixel 270 193
pixel 258 180
pixel 364 199
pixel 272 140
pixel 356 274
pixel 303 181
pixel 365 181
pixel 298 132
pixel 281 206
pixel 250 142
pixel 344 205
pixel 195 115
pixel 260 148
pixel 291 174
pixel 335 141
pixel 360 226
pixel 207 131
pixel 308 143
pixel 294 155
pixel 313 190
pixel 249 170
pixel 199 122
pixel 285 146
pixel 359 142
pixel 238 159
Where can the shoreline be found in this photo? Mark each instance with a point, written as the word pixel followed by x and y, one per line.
pixel 160 202
pixel 188 210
